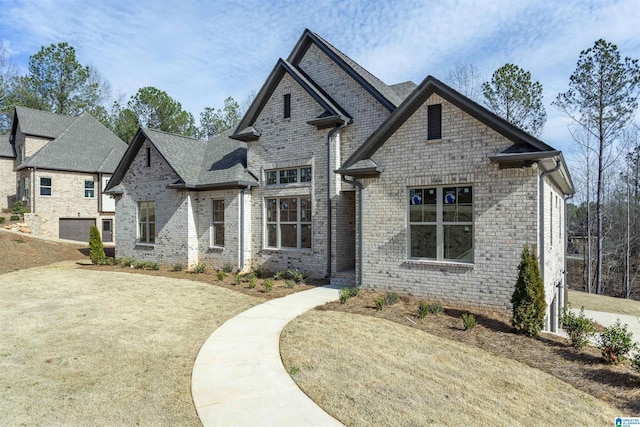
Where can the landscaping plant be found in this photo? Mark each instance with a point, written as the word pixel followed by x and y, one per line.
pixel 96 250
pixel 392 298
pixel 221 275
pixel 468 321
pixel 579 328
pixel 199 268
pixel 615 343
pixel 528 297
pixel 268 285
pixel 345 294
pixel 379 302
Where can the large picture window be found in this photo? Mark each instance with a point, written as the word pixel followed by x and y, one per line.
pixel 288 176
pixel 217 224
pixel 147 222
pixel 288 223
pixel 441 223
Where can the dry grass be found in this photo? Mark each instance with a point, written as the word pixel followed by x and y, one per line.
pixel 604 303
pixel 368 371
pixel 82 347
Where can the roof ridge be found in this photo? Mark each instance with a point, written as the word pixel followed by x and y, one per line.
pixel 171 133
pixel 46 112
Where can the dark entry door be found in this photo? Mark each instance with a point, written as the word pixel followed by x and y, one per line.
pixel 107 230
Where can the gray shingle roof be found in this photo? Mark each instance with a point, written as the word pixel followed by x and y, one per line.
pixel 85 145
pixel 41 123
pixel 225 161
pixel 6 149
pixel 403 89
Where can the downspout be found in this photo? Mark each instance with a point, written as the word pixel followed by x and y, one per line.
pixel 241 266
pixel 360 187
pixel 541 214
pixel 565 275
pixel 33 190
pixel 329 179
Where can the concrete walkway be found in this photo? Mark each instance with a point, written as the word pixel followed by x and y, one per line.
pixel 238 378
pixel 607 319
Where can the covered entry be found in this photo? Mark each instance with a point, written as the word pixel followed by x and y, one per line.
pixel 75 228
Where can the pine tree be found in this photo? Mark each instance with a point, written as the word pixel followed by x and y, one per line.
pixel 528 297
pixel 96 250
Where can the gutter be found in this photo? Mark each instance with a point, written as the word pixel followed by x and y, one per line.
pixel 360 187
pixel 329 178
pixel 541 228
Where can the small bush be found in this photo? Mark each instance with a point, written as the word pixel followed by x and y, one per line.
pixel 177 267
pixel 280 275
pixel 528 300
pixel 221 275
pixel 290 284
pixel 344 294
pixel 268 285
pixel 237 279
pixel 379 302
pixel 354 291
pixel 153 266
pixel 15 218
pixel 2 220
pixel 468 321
pixel 297 275
pixel 253 281
pixel 635 362
pixel 107 261
pixel 579 328
pixel 128 262
pixel 615 343
pixel 116 261
pixel 392 298
pixel 140 265
pixel 423 309
pixel 227 268
pixel 96 250
pixel 199 268
pixel 18 209
pixel 426 307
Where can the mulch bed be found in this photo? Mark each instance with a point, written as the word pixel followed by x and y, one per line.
pixel 618 385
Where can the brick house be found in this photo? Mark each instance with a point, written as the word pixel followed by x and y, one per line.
pixel 62 164
pixel 7 175
pixel 414 189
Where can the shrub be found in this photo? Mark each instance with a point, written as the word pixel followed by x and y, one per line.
pixel 579 328
pixel 199 268
pixel 297 275
pixel 528 297
pixel 468 321
pixel 289 283
pixel 227 268
pixel 96 250
pixel 153 266
pixel 354 291
pixel 107 261
pixel 2 220
pixel 344 295
pixel 615 343
pixel 379 302
pixel 14 217
pixel 280 275
pixel 177 267
pixel 237 279
pixel 18 208
pixel 635 362
pixel 221 275
pixel 423 309
pixel 392 298
pixel 128 262
pixel 140 265
pixel 268 285
pixel 253 281
pixel 116 261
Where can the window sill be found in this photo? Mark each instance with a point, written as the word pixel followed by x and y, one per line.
pixel 434 263
pixel 306 251
pixel 215 249
pixel 434 141
pixel 145 245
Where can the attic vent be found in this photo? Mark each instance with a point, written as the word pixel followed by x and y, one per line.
pixel 287 105
pixel 434 117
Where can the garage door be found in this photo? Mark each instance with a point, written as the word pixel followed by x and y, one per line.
pixel 76 228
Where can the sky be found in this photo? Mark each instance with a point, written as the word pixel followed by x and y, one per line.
pixel 201 52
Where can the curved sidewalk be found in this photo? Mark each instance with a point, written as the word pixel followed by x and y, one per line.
pixel 238 378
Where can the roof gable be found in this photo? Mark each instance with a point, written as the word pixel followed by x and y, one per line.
pixel 282 67
pixel 6 148
pixel 40 123
pixel 85 145
pixel 429 86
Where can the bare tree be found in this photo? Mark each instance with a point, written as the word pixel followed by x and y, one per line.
pixel 466 79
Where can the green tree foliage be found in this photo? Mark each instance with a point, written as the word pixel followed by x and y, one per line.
pixel 601 100
pixel 528 297
pixel 96 250
pixel 57 82
pixel 513 96
pixel 155 109
pixel 214 122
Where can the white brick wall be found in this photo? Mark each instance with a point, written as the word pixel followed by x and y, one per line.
pixel 7 184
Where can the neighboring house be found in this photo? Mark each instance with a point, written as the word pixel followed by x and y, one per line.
pixel 7 175
pixel 398 188
pixel 62 164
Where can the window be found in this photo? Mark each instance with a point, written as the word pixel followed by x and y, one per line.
pixel 147 222
pixel 25 187
pixel 217 223
pixel 148 156
pixel 19 154
pixel 89 189
pixel 288 176
pixel 287 105
pixel 441 223
pixel 45 186
pixel 434 117
pixel 289 223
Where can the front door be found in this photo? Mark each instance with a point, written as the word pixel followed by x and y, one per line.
pixel 107 230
